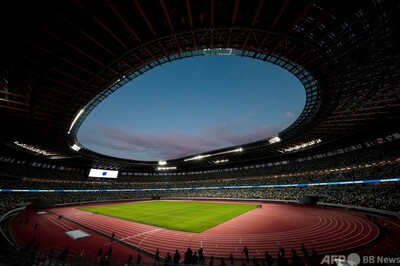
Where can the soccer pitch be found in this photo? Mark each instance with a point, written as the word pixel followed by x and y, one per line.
pixel 185 216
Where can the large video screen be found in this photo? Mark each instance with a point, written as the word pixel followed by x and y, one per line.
pixel 101 173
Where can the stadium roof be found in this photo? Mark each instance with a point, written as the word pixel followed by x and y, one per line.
pixel 61 57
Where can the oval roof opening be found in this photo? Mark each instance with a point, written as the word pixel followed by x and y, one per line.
pixel 192 106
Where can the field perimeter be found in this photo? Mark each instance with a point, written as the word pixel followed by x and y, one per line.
pixel 193 217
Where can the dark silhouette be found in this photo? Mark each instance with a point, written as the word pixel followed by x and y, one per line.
pixel 105 261
pixel 177 257
pixel 99 253
pixel 246 253
pixel 188 256
pixel 130 261
pixel 282 261
pixel 255 261
pixel 268 259
pixel 211 261
pixel 281 251
pixel 231 259
pixel 202 259
pixel 222 263
pixel 168 259
pixel 296 260
pixel 314 260
pixel 157 256
pixel 306 255
pixel 195 258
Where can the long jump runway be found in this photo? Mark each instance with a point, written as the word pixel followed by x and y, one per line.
pixel 262 229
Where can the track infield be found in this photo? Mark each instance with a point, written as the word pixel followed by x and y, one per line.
pixel 195 217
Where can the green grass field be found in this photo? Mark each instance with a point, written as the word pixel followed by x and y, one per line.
pixel 185 216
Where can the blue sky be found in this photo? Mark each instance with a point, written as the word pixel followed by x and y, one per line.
pixel 192 106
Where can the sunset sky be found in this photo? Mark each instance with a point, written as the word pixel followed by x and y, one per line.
pixel 192 106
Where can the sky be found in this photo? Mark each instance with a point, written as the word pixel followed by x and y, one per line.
pixel 192 106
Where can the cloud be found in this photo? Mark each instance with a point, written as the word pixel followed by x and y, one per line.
pixel 230 134
pixel 130 144
pixel 143 145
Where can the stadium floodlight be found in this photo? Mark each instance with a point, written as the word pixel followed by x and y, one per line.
pixel 33 149
pixel 75 119
pixel 221 161
pixel 197 157
pixel 75 147
pixel 166 168
pixel 274 139
pixel 302 145
pixel 230 151
pixel 219 51
pixel 162 162
pixel 238 150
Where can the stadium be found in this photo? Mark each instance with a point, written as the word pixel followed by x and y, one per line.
pixel 322 191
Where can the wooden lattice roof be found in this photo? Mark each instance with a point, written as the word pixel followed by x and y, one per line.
pixel 58 57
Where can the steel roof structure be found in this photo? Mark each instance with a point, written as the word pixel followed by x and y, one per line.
pixel 59 59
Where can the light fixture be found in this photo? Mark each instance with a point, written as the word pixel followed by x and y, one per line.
pixel 274 139
pixel 33 149
pixel 199 157
pixel 221 161
pixel 75 147
pixel 302 145
pixel 166 168
pixel 75 119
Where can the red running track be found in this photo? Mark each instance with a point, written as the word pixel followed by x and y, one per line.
pixel 262 229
